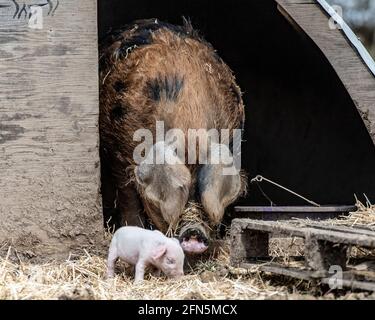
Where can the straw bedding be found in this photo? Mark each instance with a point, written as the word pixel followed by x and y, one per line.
pixel 81 276
pixel 364 217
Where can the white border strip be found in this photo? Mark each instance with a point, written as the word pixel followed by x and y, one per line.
pixel 369 61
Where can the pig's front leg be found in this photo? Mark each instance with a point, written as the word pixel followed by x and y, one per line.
pixel 139 271
pixel 130 208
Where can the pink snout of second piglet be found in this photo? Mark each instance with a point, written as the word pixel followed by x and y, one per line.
pixel 143 248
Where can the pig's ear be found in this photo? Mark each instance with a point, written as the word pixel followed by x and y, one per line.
pixel 218 189
pixel 165 185
pixel 159 251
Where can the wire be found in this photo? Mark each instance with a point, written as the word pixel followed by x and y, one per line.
pixel 260 178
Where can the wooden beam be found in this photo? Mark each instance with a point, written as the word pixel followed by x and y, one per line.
pixel 340 52
pixel 295 209
pixel 336 234
pixel 349 278
pixel 49 159
pixel 289 212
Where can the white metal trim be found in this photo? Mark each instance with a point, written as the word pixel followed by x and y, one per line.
pixel 365 55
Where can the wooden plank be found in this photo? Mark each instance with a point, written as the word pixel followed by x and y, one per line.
pixel 353 284
pixel 322 255
pixel 288 2
pixel 356 239
pixel 279 213
pixel 282 216
pixel 295 209
pixel 280 270
pixel 348 281
pixel 269 226
pixel 300 230
pixel 247 243
pixel 49 159
pixel 345 60
pixel 341 228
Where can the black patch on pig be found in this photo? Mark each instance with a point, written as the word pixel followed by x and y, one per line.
pixel 119 86
pixel 167 87
pixel 142 31
pixel 118 112
pixel 203 179
pixel 143 37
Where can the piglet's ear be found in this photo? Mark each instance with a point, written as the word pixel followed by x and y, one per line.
pixel 159 251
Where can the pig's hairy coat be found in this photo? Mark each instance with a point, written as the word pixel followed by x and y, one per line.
pixel 167 74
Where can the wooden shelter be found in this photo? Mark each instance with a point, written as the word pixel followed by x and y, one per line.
pixel 309 91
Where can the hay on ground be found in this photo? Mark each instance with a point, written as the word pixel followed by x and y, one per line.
pixel 82 276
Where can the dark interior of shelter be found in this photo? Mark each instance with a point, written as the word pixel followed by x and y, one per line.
pixel 302 128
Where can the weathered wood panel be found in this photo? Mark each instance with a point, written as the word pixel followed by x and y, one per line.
pixel 347 63
pixel 49 160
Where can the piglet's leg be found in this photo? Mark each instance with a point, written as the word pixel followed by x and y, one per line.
pixel 139 271
pixel 112 257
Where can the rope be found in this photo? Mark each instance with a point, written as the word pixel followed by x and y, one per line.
pixel 260 178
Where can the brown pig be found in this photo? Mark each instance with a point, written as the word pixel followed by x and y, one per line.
pixel 153 71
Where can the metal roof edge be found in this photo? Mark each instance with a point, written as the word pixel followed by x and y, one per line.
pixel 357 44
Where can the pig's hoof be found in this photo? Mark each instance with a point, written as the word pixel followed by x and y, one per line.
pixel 193 241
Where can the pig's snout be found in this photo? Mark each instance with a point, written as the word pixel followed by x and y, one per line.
pixel 193 240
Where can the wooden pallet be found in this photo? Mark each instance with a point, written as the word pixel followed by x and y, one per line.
pixel 325 250
pixel 289 212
